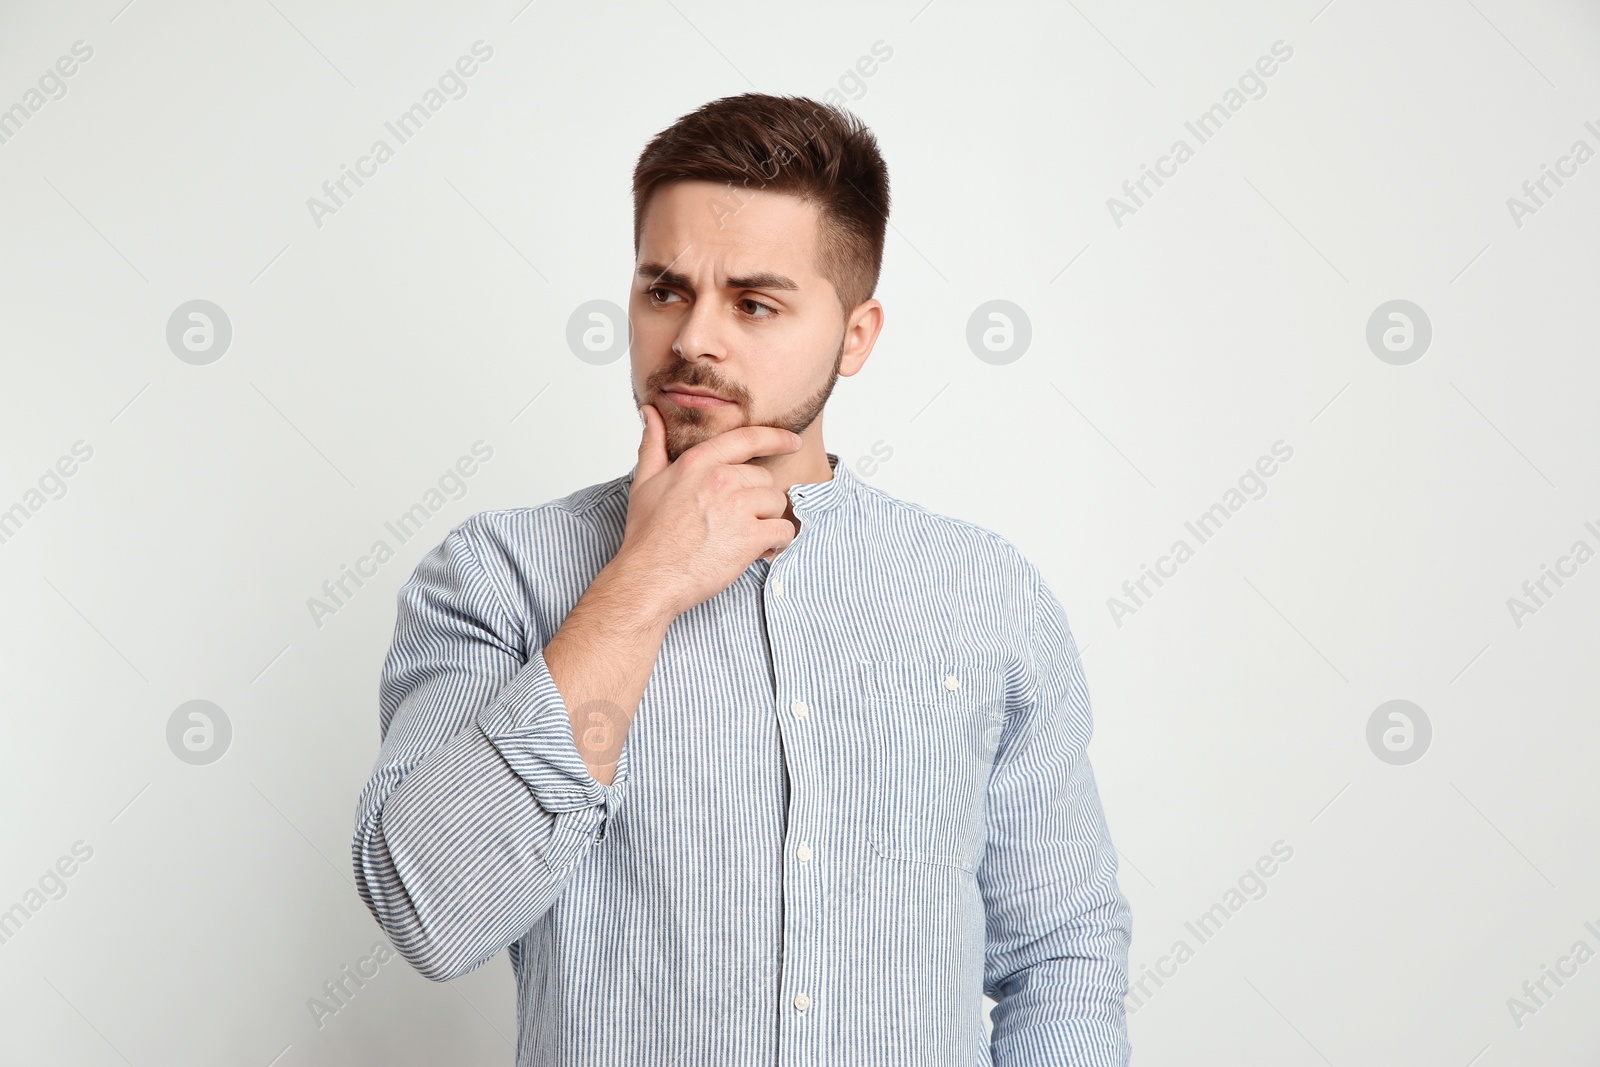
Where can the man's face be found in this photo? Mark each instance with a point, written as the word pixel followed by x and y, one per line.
pixel 726 299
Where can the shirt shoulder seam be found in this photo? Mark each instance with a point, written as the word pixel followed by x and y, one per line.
pixel 606 490
pixel 998 539
pixel 472 529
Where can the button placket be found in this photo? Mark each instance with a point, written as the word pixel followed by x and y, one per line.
pixel 802 877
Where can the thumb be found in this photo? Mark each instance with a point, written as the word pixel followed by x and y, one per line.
pixel 652 447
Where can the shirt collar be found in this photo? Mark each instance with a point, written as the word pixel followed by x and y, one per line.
pixel 810 499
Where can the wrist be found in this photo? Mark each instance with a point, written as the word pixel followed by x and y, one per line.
pixel 640 593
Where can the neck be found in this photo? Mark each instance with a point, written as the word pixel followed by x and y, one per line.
pixel 810 464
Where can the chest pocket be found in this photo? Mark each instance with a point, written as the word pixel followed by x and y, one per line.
pixel 934 728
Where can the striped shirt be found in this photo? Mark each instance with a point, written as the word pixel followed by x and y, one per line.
pixel 854 799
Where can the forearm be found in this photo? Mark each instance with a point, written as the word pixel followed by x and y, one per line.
pixel 480 803
pixel 601 660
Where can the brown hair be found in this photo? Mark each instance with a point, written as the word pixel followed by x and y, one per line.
pixel 784 144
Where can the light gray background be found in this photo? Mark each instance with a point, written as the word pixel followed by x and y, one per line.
pixel 1168 354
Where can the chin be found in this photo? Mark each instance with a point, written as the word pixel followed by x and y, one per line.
pixel 701 416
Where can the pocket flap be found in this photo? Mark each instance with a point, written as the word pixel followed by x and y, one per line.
pixel 933 681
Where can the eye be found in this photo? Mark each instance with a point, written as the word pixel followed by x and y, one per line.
pixel 651 293
pixel 772 311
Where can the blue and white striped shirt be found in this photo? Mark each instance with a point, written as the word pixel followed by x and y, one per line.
pixel 854 799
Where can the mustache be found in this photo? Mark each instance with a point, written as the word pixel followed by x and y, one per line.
pixel 693 382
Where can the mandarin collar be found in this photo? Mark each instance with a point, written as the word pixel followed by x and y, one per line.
pixel 816 498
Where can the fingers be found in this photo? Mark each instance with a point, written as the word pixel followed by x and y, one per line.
pixel 652 446
pixel 764 502
pixel 778 533
pixel 743 444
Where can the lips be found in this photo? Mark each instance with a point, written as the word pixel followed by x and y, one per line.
pixel 692 392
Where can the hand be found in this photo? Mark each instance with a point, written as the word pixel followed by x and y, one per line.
pixel 696 524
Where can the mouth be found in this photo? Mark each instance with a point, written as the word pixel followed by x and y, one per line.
pixel 687 397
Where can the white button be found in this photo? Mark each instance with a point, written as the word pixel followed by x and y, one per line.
pixel 777 586
pixel 801 1001
pixel 804 852
pixel 952 682
pixel 799 708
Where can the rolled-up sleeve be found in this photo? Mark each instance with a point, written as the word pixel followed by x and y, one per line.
pixel 1057 925
pixel 479 805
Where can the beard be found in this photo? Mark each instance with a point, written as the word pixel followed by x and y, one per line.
pixel 687 427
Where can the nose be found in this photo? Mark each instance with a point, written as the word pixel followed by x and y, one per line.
pixel 702 334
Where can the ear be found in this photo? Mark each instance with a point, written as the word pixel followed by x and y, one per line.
pixel 861 329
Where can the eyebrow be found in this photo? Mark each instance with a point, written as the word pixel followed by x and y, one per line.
pixel 658 274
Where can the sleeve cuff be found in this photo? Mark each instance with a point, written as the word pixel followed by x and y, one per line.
pixel 528 723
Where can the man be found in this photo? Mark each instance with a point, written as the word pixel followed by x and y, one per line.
pixel 745 760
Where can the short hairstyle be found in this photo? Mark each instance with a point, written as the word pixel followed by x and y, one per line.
pixel 819 152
